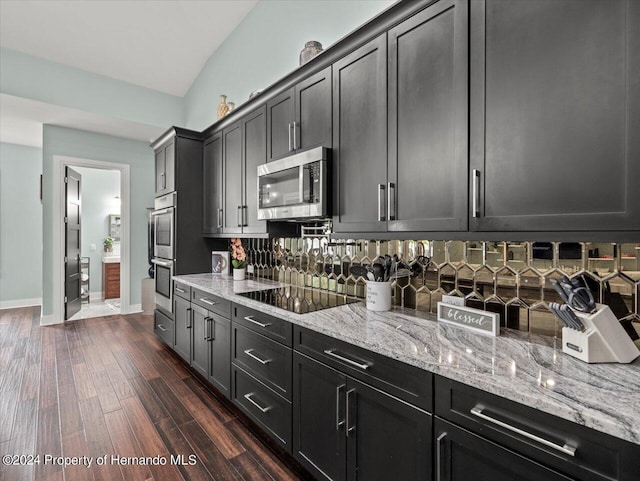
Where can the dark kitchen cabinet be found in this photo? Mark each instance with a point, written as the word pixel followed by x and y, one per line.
pixel 347 430
pixel 213 187
pixel 360 138
pixel 232 152
pixel 254 142
pixel 300 117
pixel 428 100
pixel 182 326
pixel 554 115
pixel 165 169
pixel 461 455
pixel 200 343
pixel 220 353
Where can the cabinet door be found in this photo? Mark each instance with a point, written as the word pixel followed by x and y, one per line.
pixel 200 347
pixel 160 171
pixel 461 455
pixel 212 185
pixel 387 438
pixel 220 334
pixel 254 131
pixel 555 115
pixel 182 313
pixel 232 146
pixel 428 78
pixel 313 112
pixel 170 167
pixel 319 441
pixel 280 116
pixel 360 138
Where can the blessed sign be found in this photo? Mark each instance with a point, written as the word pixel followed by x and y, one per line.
pixel 475 320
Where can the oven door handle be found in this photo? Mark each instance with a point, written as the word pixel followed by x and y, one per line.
pixel 162 263
pixel 166 210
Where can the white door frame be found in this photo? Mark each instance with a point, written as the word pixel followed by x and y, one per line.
pixel 59 164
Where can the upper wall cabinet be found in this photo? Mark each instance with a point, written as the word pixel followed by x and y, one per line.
pixel 428 103
pixel 555 115
pixel 300 117
pixel 212 169
pixel 360 138
pixel 165 168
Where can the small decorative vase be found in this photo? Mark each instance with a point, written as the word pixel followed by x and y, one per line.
pixel 239 274
pixel 231 106
pixel 223 108
pixel 310 50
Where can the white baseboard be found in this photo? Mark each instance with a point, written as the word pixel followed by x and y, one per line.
pixel 95 296
pixel 49 320
pixel 134 309
pixel 21 303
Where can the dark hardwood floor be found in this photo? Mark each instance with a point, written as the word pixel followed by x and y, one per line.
pixel 108 386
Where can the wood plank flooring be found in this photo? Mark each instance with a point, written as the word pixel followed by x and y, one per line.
pixel 108 386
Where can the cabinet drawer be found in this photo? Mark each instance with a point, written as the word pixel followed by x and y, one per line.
pixel 181 290
pixel 163 327
pixel 211 303
pixel 567 447
pixel 269 326
pixel 270 411
pixel 267 360
pixel 408 383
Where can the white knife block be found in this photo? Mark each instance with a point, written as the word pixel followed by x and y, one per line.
pixel 603 340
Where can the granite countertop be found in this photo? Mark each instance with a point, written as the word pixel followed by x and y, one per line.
pixel 526 368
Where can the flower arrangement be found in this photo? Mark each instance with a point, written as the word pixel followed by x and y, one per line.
pixel 108 244
pixel 238 255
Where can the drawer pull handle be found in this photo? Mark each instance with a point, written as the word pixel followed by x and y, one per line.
pixel 207 301
pixel 248 398
pixel 439 456
pixel 249 352
pixel 339 422
pixel 162 328
pixel 566 449
pixel 332 353
pixel 180 290
pixel 349 416
pixel 251 319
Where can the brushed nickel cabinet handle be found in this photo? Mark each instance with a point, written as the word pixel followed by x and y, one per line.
pixel 290 147
pixel 381 189
pixel 207 301
pixel 349 414
pixel 295 141
pixel 219 218
pixel 251 319
pixel 566 449
pixel 339 422
pixel 239 217
pixel 391 201
pixel 249 352
pixel 162 328
pixel 439 456
pixel 332 353
pixel 179 289
pixel 476 193
pixel 249 396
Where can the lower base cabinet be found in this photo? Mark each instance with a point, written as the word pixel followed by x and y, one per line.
pixel 210 353
pixel 182 323
pixel 345 429
pixel 462 455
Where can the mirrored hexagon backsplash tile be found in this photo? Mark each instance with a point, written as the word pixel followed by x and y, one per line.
pixel 510 278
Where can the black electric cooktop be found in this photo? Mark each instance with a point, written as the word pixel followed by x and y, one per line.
pixel 299 299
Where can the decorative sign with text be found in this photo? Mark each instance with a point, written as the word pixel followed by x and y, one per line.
pixel 482 322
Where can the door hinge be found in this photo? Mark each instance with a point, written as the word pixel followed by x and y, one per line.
pixel 66 220
pixel 66 259
pixel 65 299
pixel 66 180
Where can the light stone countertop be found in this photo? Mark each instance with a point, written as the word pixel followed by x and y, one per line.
pixel 526 368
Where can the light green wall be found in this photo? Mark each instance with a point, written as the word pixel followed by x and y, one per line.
pixel 88 145
pixel 20 223
pixel 99 189
pixel 265 47
pixel 29 77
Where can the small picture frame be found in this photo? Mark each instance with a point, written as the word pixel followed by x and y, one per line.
pixel 220 262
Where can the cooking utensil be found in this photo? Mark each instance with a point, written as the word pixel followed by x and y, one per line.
pixel 556 308
pixel 378 272
pixel 359 271
pixel 572 315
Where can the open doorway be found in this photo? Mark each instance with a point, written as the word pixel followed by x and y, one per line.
pixel 103 214
pixel 99 250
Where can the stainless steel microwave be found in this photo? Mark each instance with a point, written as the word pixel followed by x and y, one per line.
pixel 296 187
